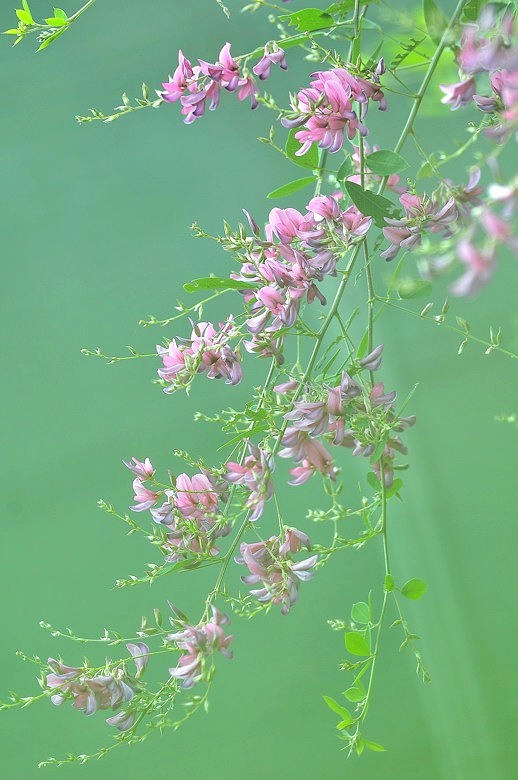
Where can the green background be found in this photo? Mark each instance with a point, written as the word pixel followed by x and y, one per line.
pixel 94 237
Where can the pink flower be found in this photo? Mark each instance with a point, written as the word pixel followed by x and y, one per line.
pixel 145 498
pixel 300 446
pixel 255 475
pixel 480 267
pixel 191 516
pixel 273 55
pixel 270 564
pixel 100 692
pixel 199 644
pixel 460 94
pixel 142 470
pixel 326 108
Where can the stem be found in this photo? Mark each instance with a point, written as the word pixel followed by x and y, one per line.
pixel 81 11
pixel 427 78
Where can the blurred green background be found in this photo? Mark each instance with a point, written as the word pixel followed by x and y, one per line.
pixel 94 237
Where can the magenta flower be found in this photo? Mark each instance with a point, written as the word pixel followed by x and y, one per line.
pixel 422 214
pixel 255 474
pixel 326 108
pixel 142 470
pixel 199 644
pixel 273 55
pixel 270 564
pixel 460 94
pixel 207 351
pixel 200 86
pixel 305 449
pixel 480 267
pixel 144 498
pixel 191 516
pixel 100 692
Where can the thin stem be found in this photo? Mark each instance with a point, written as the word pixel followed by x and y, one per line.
pixel 81 11
pixel 427 78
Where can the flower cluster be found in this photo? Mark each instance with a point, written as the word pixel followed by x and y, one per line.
pixel 199 643
pixel 326 107
pixel 422 214
pixel 190 513
pixel 300 250
pixel 484 224
pixel 489 46
pixel 355 417
pixel 197 86
pixel 255 475
pixel 270 564
pixel 207 351
pixel 101 692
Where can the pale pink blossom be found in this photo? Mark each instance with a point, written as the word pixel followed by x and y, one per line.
pixel 144 497
pixel 271 565
pixel 199 644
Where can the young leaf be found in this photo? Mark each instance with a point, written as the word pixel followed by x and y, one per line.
pixel 472 10
pixel 60 13
pixel 346 169
pixel 373 481
pixel 374 746
pixel 355 694
pixel 389 583
pixel 56 21
pixel 308 19
pixel 215 283
pixel 24 16
pixel 385 162
pixel 413 589
pixel 370 204
pixel 307 160
pixel 292 186
pixel 360 613
pixel 342 711
pixel 51 38
pixel 436 22
pixel 356 644
pixel 413 288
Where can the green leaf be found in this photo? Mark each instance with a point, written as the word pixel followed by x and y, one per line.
pixel 51 38
pixel 26 6
pixel 413 589
pixel 360 612
pixel 60 13
pixel 307 160
pixel 356 644
pixel 394 488
pixel 425 171
pixel 342 711
pixel 436 22
pixel 414 288
pixel 472 10
pixel 308 19
pixel 355 694
pixel 24 16
pixel 56 21
pixel 373 481
pixel 385 162
pixel 370 204
pixel 12 31
pixel 292 186
pixel 362 347
pixel 374 746
pixel 346 169
pixel 215 283
pixel 389 583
